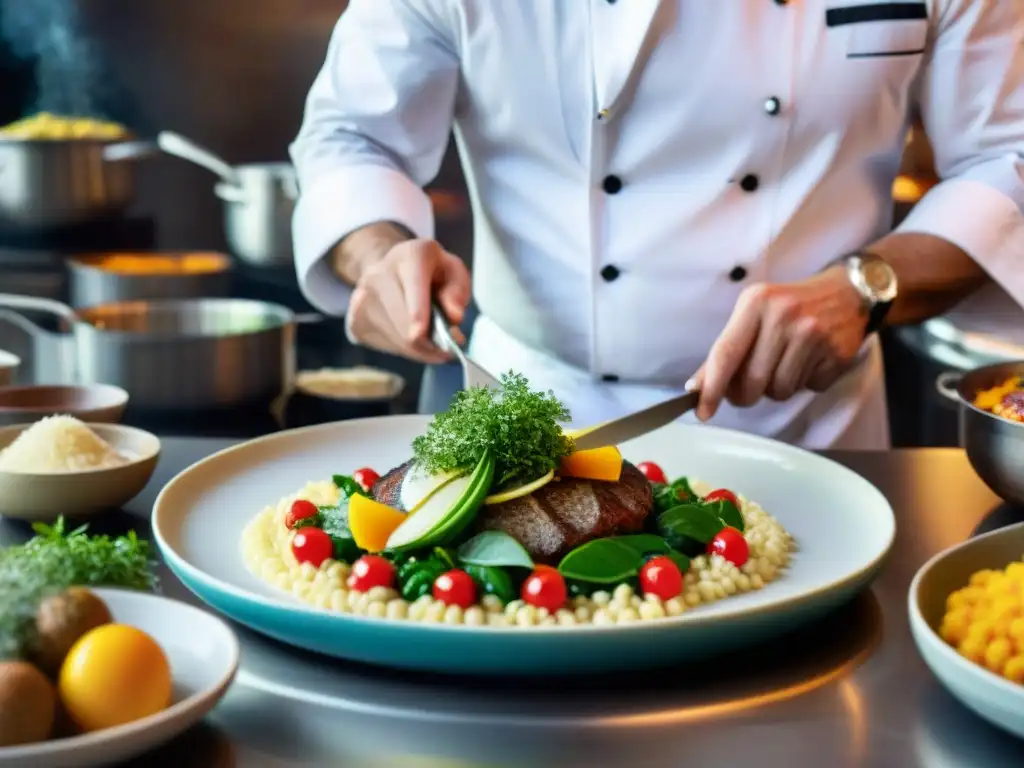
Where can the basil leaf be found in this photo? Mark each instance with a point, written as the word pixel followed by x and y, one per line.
pixel 644 544
pixel 665 497
pixel 683 490
pixel 495 548
pixel 601 561
pixel 348 486
pixel 493 581
pixel 693 521
pixel 727 512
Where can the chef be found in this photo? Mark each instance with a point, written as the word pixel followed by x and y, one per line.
pixel 668 194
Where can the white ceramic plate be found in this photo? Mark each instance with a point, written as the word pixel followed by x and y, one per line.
pixel 992 697
pixel 203 654
pixel 843 525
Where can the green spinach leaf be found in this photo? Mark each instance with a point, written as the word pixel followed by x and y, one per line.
pixel 665 497
pixel 601 561
pixel 493 581
pixel 494 548
pixel 644 544
pixel 416 577
pixel 692 521
pixel 683 490
pixel 727 512
pixel 349 487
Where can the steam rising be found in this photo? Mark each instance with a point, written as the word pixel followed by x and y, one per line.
pixel 67 64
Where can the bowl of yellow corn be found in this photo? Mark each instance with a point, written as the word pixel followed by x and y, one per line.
pixel 967 617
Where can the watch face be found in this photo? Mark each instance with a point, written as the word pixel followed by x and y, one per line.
pixel 879 280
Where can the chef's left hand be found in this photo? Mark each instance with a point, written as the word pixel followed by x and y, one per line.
pixel 781 339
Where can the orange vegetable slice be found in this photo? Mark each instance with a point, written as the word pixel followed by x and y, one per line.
pixel 372 523
pixel 594 464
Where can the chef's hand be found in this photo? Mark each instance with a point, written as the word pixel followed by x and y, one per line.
pixel 781 339
pixel 390 307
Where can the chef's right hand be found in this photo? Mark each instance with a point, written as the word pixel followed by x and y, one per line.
pixel 390 308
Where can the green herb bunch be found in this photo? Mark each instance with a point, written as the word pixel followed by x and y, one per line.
pixel 55 559
pixel 522 428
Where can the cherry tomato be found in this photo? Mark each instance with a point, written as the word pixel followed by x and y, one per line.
pixel 371 571
pixel 301 509
pixel 545 588
pixel 313 546
pixel 723 495
pixel 730 544
pixel 455 588
pixel 366 477
pixel 652 472
pixel 661 576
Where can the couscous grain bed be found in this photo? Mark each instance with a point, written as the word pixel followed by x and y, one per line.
pixel 267 551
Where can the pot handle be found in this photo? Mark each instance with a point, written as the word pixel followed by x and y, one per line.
pixel 947 383
pixel 308 318
pixel 36 304
pixel 177 145
pixel 230 193
pixel 129 150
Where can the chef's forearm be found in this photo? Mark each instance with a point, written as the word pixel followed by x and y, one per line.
pixel 934 275
pixel 366 246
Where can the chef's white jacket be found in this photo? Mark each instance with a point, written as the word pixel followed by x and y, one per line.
pixel 634 165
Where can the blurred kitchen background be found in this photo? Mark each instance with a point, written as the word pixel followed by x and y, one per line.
pixel 232 75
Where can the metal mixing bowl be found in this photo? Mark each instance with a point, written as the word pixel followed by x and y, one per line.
pixel 994 445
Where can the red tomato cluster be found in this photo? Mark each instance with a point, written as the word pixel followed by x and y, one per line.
pixel 300 510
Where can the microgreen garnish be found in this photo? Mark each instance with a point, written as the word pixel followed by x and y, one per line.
pixel 520 426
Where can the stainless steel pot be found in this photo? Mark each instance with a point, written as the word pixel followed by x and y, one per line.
pixel 258 213
pixel 193 355
pixel 258 199
pixel 56 183
pixel 994 445
pixel 96 279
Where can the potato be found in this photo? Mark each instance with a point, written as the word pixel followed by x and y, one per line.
pixel 60 621
pixel 28 704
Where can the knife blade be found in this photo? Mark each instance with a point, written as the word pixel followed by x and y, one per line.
pixel 636 424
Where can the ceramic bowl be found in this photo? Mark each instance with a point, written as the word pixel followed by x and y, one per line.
pixel 9 364
pixel 203 655
pixel 97 403
pixel 44 497
pixel 320 397
pixel 992 697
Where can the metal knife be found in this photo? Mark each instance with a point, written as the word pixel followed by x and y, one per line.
pixel 636 424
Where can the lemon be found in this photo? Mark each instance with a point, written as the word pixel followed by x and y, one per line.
pixel 114 674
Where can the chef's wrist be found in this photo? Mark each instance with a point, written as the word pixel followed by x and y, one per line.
pixel 366 246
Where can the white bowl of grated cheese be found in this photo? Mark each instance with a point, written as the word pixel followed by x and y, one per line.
pixel 61 466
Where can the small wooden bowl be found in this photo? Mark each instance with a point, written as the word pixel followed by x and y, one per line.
pixel 96 403
pixel 43 497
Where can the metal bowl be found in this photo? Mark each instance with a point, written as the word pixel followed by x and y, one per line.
pixel 994 445
pixel 96 278
pixel 56 183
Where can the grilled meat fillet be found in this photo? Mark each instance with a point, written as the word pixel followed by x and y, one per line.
pixel 558 517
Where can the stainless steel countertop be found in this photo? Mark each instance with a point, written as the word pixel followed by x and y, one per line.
pixel 851 691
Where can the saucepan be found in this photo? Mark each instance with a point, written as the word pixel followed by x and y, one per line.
pixel 64 182
pixel 175 355
pixel 994 445
pixel 258 198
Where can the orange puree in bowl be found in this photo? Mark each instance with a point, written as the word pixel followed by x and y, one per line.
pixel 187 264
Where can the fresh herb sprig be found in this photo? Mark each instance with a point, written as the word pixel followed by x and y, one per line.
pixel 521 427
pixel 55 559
